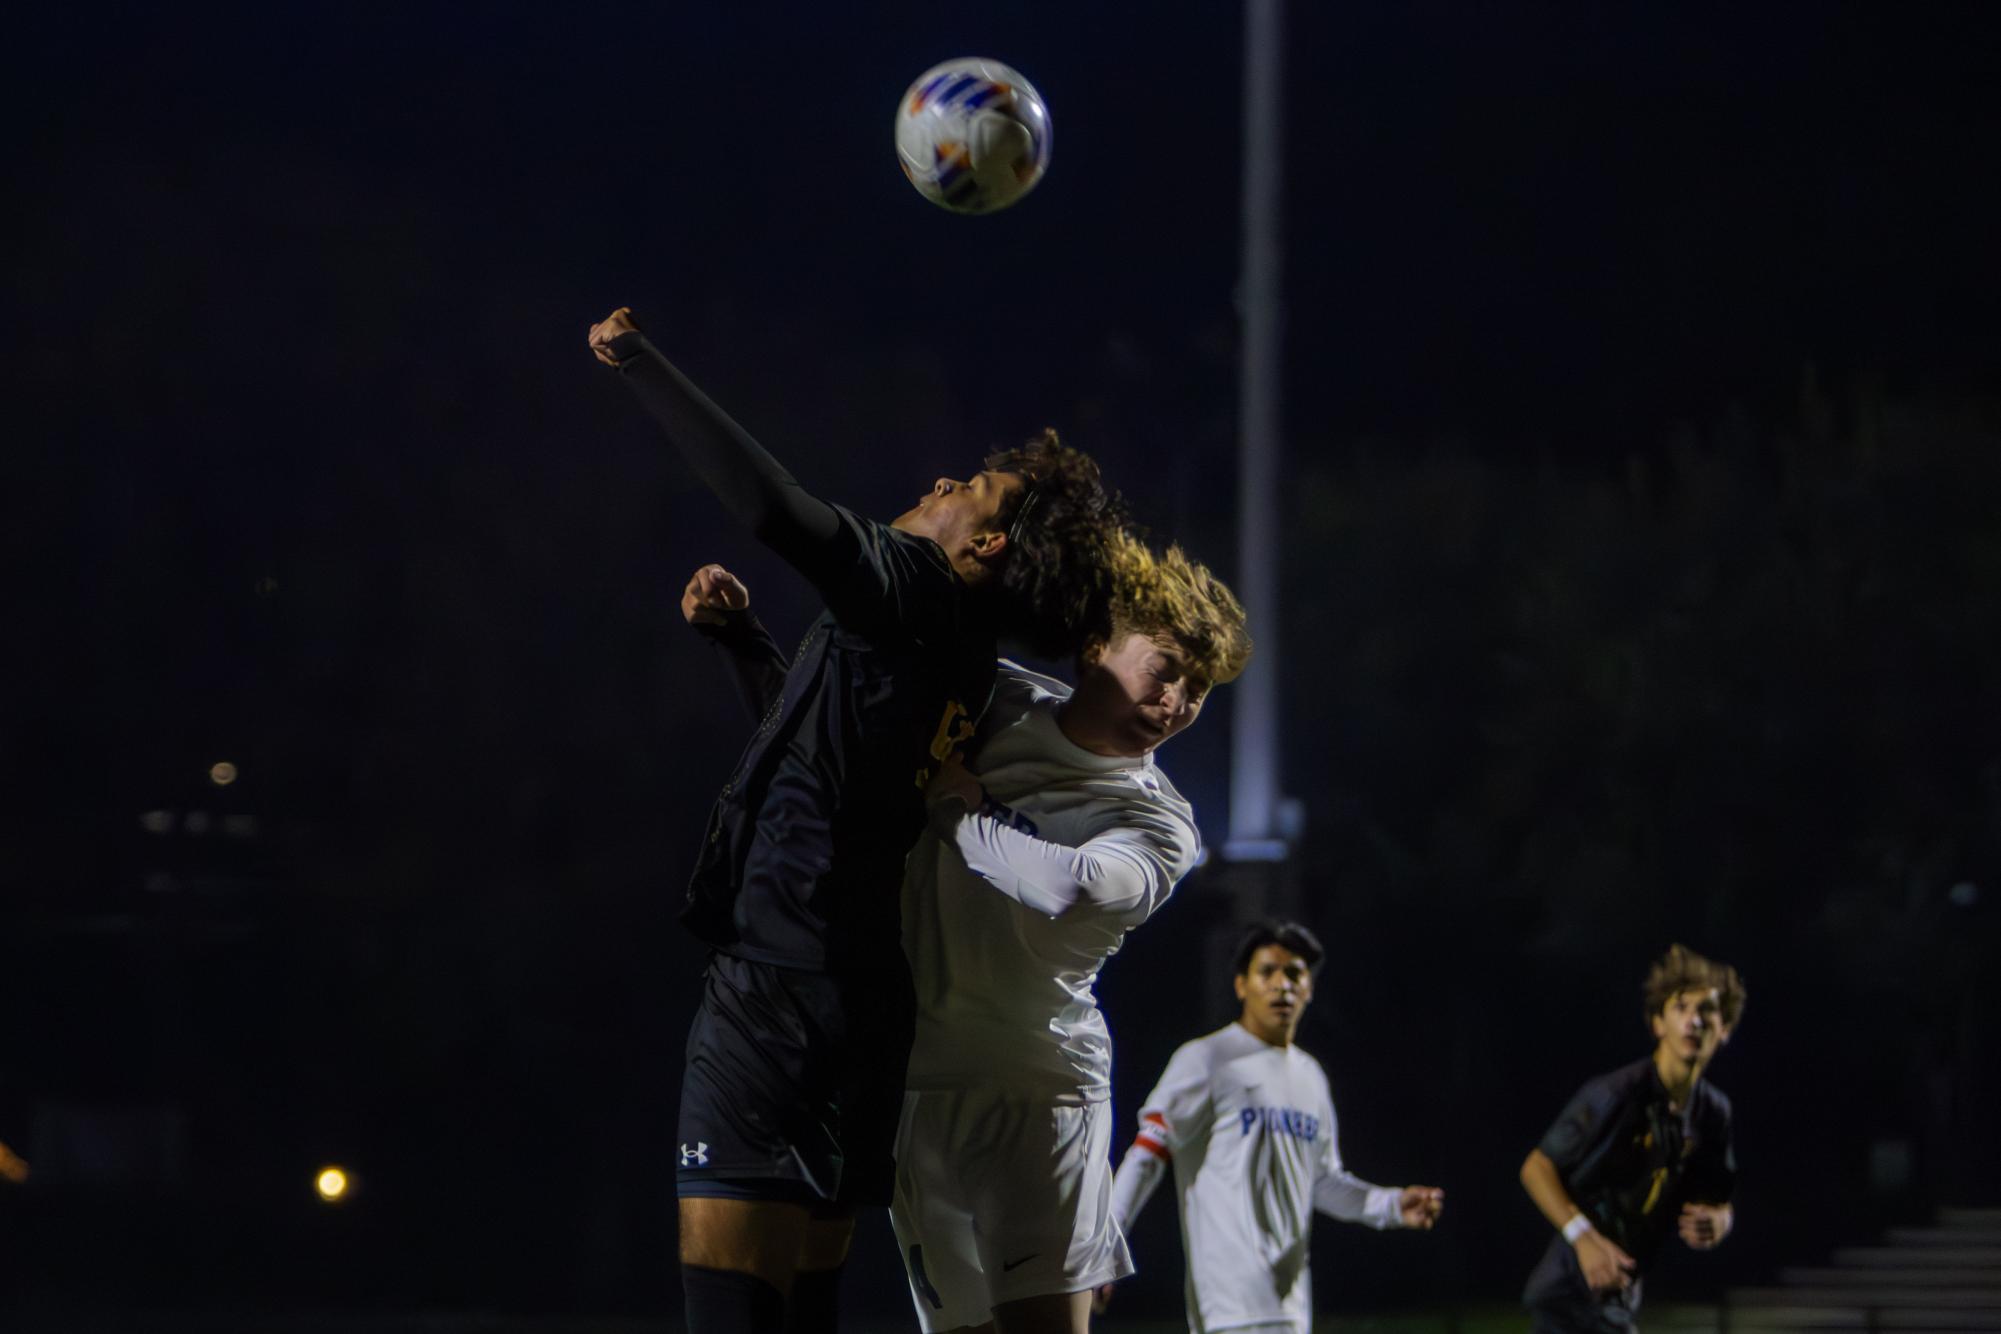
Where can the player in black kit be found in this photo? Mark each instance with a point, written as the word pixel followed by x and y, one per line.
pixel 1638 1153
pixel 794 1076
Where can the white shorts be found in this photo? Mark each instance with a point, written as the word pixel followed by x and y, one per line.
pixel 1000 1198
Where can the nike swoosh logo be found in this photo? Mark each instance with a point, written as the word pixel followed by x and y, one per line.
pixel 1008 1266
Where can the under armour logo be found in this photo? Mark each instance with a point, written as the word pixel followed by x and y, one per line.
pixel 695 1157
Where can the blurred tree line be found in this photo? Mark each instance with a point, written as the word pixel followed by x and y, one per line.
pixel 1733 686
pixel 1736 687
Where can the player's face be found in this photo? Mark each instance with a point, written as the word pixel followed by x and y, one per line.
pixel 1690 1025
pixel 958 516
pixel 1140 691
pixel 1275 989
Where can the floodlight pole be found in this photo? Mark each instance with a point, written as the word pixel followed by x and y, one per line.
pixel 1256 832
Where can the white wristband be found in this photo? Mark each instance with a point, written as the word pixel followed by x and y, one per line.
pixel 1575 1228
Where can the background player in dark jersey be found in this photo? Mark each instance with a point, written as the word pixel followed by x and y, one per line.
pixel 1638 1153
pixel 794 1075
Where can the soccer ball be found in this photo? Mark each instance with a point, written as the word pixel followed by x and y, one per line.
pixel 973 135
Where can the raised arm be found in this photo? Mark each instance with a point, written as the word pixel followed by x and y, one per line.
pixel 1124 869
pixel 717 605
pixel 753 486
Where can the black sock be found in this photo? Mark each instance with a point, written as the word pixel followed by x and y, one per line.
pixel 815 1307
pixel 722 1301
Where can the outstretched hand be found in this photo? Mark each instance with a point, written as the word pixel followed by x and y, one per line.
pixel 1421 1206
pixel 608 328
pixel 711 592
pixel 1702 1226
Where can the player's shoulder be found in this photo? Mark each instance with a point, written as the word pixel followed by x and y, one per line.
pixel 1614 1088
pixel 1024 689
pixel 1144 802
pixel 1151 779
pixel 1023 707
pixel 903 556
pixel 1211 1049
pixel 1627 1079
pixel 1314 1072
pixel 1308 1062
pixel 1146 794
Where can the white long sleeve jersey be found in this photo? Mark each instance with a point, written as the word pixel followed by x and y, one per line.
pixel 1250 1131
pixel 1007 920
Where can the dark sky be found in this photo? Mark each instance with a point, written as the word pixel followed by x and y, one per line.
pixel 1492 207
pixel 297 284
pixel 310 469
pixel 1522 213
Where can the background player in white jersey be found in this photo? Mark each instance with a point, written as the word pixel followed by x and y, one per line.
pixel 1246 1120
pixel 1028 880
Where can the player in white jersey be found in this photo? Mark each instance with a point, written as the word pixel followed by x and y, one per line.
pixel 1032 873
pixel 1247 1122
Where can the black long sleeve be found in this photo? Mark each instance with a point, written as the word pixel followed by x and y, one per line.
pixel 756 665
pixel 753 486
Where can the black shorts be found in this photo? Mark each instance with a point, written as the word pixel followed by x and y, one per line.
pixel 794 1083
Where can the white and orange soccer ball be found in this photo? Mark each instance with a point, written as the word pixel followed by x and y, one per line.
pixel 972 135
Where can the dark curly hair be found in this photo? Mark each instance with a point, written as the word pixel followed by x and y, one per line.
pixel 1054 589
pixel 1289 936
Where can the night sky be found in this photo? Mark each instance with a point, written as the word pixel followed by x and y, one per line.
pixel 312 472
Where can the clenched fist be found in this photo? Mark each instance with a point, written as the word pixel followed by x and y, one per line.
pixel 608 328
pixel 711 592
pixel 1420 1206
pixel 1702 1226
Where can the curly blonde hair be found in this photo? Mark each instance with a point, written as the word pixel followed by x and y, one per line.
pixel 1166 594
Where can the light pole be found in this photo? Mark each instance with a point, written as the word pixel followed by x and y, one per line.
pixel 1256 831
